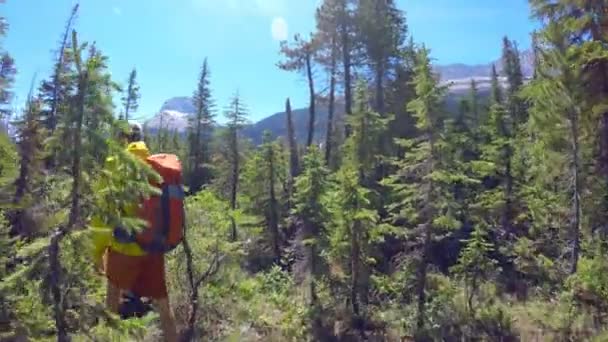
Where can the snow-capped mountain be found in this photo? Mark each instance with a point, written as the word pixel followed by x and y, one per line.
pixel 174 112
pixel 170 119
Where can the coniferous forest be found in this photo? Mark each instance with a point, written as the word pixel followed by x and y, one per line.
pixel 408 222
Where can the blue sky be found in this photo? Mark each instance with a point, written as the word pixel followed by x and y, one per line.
pixel 167 40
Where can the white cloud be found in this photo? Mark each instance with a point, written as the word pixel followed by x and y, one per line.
pixel 117 10
pixel 279 29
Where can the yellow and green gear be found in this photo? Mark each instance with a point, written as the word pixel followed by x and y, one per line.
pixel 101 232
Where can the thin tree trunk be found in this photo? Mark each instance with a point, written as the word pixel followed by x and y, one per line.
pixel 355 255
pixel 577 189
pixel 294 167
pixel 294 163
pixel 234 182
pixel 422 271
pixel 332 100
pixel 55 275
pixel 274 216
pixel 311 88
pixel 380 88
pixel 128 104
pixel 603 163
pixel 197 152
pixel 507 215
pixel 21 182
pixel 76 167
pixel 346 61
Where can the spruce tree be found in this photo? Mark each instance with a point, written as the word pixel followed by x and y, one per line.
pixel 130 99
pixel 561 117
pixel 200 133
pixel 423 200
pixel 262 185
pixel 236 114
pixel 475 264
pixel 56 89
pixel 310 213
pixel 353 213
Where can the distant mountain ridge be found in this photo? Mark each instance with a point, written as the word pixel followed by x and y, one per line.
pixel 174 112
pixel 459 70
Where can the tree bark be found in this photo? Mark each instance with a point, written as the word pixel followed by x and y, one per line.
pixel 346 62
pixel 234 181
pixel 294 163
pixel 55 285
pixel 507 218
pixel 311 89
pixel 274 216
pixel 380 88
pixel 355 255
pixel 422 271
pixel 577 189
pixel 332 100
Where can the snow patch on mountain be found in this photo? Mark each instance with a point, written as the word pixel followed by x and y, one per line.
pixel 169 119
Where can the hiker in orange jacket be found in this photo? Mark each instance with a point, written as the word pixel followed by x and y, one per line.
pixel 127 267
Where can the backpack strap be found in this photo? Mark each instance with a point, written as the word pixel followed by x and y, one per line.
pixel 158 244
pixel 166 210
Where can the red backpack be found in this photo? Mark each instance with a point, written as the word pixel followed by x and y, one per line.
pixel 165 213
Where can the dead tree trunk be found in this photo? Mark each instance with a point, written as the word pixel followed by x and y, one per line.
pixel 195 283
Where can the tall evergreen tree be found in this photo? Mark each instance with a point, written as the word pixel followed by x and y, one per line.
pixel 236 114
pixel 262 184
pixel 354 215
pixel 130 99
pixel 583 23
pixel 423 182
pixel 561 117
pixel 56 90
pixel 201 129
pixel 310 213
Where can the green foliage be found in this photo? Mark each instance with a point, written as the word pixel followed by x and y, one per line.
pixel 484 224
pixel 124 180
pixel 8 162
pixel 310 187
